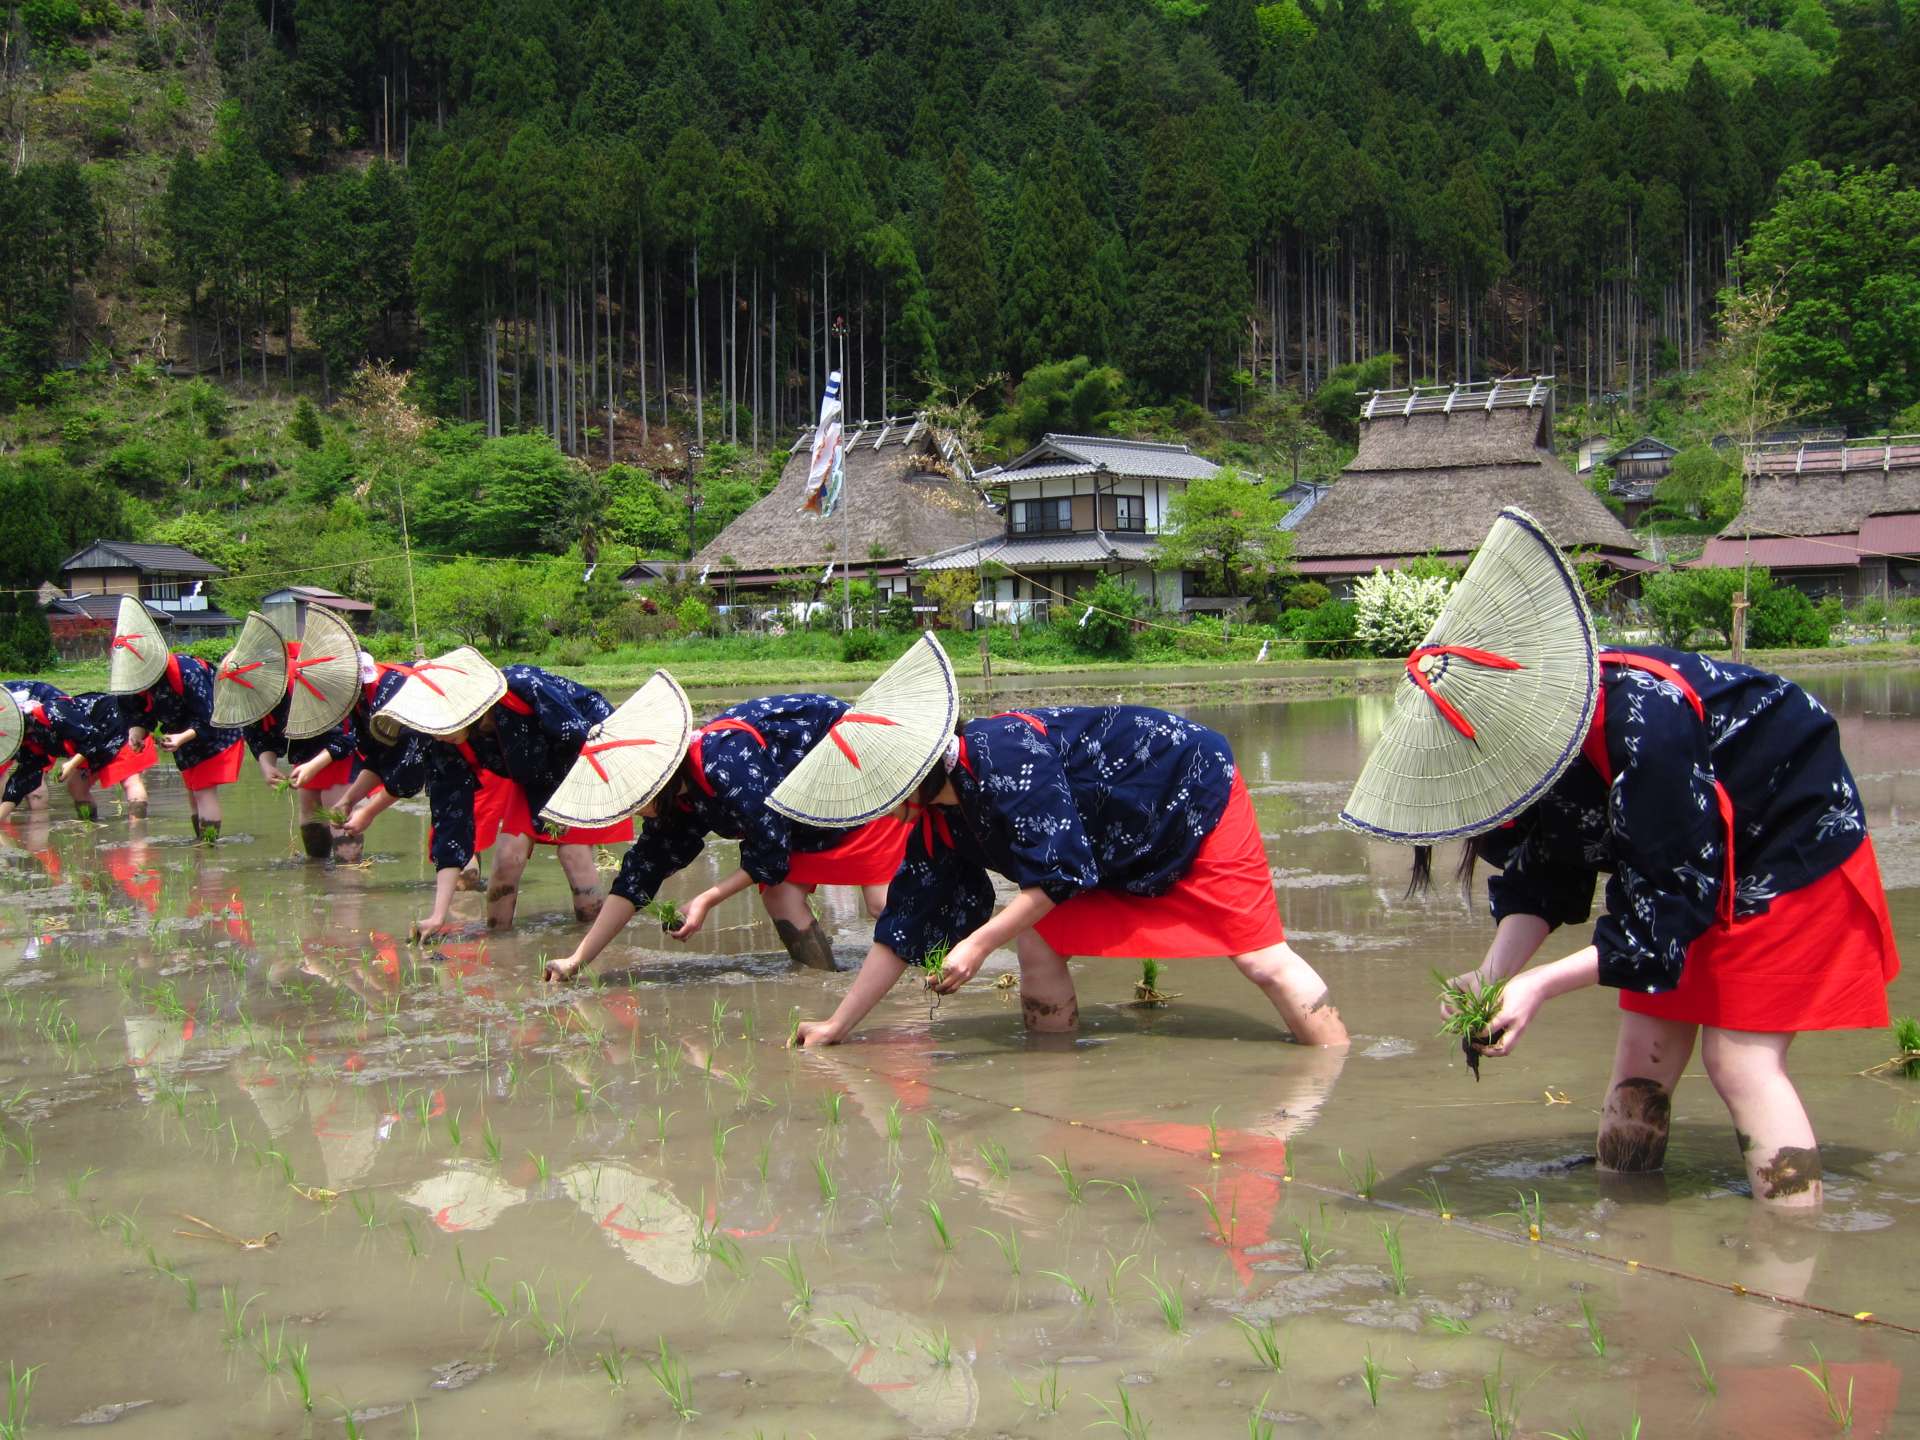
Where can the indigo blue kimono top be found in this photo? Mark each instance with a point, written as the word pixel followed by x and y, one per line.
pixel 181 699
pixel 58 725
pixel 1657 827
pixel 401 766
pixel 738 757
pixel 538 729
pixel 268 736
pixel 1115 797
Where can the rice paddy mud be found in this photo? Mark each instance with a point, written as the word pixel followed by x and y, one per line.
pixel 267 1171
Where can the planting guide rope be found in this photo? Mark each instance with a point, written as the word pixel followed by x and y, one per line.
pixel 1485 1231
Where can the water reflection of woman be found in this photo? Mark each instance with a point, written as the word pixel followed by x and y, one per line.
pixel 1128 831
pixel 1744 898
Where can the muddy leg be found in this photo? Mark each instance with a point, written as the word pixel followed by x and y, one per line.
pixel 793 920
pixel 206 808
pixel 1297 992
pixel 1776 1138
pixel 576 862
pixel 510 855
pixel 1048 1004
pixel 135 789
pixel 1647 1061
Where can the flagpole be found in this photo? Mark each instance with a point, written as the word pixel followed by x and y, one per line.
pixel 846 521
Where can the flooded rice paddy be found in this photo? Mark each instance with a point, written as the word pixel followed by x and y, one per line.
pixel 262 1156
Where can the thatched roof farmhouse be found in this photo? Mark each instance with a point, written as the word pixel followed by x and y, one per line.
pixel 1436 465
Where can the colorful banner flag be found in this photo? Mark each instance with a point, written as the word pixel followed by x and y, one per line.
pixel 836 487
pixel 826 446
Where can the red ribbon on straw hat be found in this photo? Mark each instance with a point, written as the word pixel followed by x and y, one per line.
pixel 237 673
pixel 588 752
pixel 854 717
pixel 1417 672
pixel 411 672
pixel 294 677
pixel 125 642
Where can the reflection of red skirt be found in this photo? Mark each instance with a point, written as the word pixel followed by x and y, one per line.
pixel 1821 958
pixel 131 762
pixel 1779 1400
pixel 870 855
pixel 221 769
pixel 1223 905
pixel 340 772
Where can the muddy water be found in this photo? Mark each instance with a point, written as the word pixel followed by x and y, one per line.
pixel 456 1204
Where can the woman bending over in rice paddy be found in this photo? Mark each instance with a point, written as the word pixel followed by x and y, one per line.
pixel 170 697
pixel 80 739
pixel 1128 831
pixel 1744 903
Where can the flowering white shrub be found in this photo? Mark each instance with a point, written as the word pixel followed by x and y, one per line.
pixel 1393 611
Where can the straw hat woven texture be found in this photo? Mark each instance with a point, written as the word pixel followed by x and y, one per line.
pixel 12 725
pixel 445 695
pixel 253 677
pixel 1510 673
pixel 628 757
pixel 139 653
pixel 324 678
pixel 882 748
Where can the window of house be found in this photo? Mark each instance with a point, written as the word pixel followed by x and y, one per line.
pixel 163 590
pixel 1130 512
pixel 1041 517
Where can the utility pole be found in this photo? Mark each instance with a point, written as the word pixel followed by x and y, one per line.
pixel 695 454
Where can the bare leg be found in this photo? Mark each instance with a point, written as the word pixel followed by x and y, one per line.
pixel 875 899
pixel 1048 1004
pixel 1297 992
pixel 1749 1069
pixel 206 810
pixel 793 920
pixel 576 863
pixel 1648 1059
pixel 510 855
pixel 135 789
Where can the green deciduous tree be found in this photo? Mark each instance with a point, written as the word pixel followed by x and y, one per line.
pixel 1226 529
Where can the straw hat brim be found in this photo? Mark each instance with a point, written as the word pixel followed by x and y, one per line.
pixel 874 756
pixel 628 757
pixel 445 695
pixel 13 726
pixel 138 656
pixel 1427 780
pixel 326 676
pixel 251 679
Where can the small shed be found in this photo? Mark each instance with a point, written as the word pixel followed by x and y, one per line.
pixel 287 608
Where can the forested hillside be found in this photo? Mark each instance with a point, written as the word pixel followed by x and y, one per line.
pixel 592 219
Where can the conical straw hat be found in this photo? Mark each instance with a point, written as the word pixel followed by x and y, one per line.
pixel 253 677
pixel 138 656
pixel 1510 674
pixel 12 725
pixel 324 677
pixel 878 751
pixel 445 695
pixel 627 758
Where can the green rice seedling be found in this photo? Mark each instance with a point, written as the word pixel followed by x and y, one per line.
pixel 721 1130
pixel 893 1126
pixel 708 1240
pixel 1448 1325
pixel 1470 1015
pixel 453 1129
pixel 1396 1262
pixel 192 1287
pixel 13 1424
pixel 1596 1337
pixel 1173 1310
pixel 1310 1254
pixel 1146 990
pixel 1364 1181
pixel 667 913
pixel 1906 1059
pixel 670 1373
pixel 1081 1295
pixel 366 1206
pixel 1046 1396
pixel 613 1364
pixel 1532 1213
pixel 829 1192
pixel 796 1278
pixel 1259 1427
pixel 717 1020
pixel 1009 1244
pixel 482 1287
pixel 413 1241
pixel 853 1328
pixel 793 1026
pixel 350 1427
pixel 763 1161
pixel 1839 1407
pixel 937 1347
pixel 994 1155
pixel 937 1140
pixel 1223 1230
pixel 1264 1341
pixel 1123 1417
pixel 1373 1377
pixel 1575 1431
pixel 830 1107
pixel 297 1366
pixel 270 1348
pixel 74 1182
pixel 1063 1167
pixel 1116 1272
pixel 1702 1372
pixel 661 1115
pixel 234 1312
pixel 1499 1406
pixel 1213 1133
pixel 1436 1197
pixel 540 1167
pixel 1144 1203
pixel 939 1222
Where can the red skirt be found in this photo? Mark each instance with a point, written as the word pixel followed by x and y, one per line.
pixel 870 855
pixel 1821 958
pixel 131 762
pixel 340 772
pixel 1223 905
pixel 215 770
pixel 500 807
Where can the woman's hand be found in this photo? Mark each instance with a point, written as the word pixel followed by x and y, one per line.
pixel 1519 1003
pixel 816 1034
pixel 1472 981
pixel 175 741
pixel 694 916
pixel 69 765
pixel 963 963
pixel 307 771
pixel 564 970
pixel 428 930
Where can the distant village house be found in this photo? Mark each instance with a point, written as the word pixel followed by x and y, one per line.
pixel 173 583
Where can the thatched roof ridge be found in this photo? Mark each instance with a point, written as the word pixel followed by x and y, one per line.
pixel 1436 441
pixel 1822 502
pixel 903 498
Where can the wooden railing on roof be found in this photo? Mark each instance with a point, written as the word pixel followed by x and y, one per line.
pixel 1514 393
pixel 1801 457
